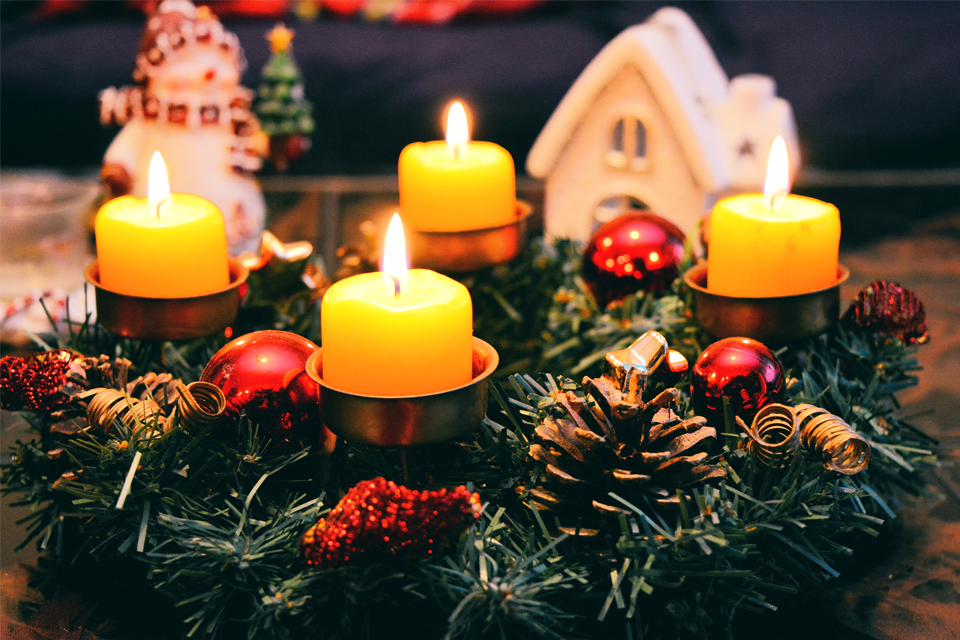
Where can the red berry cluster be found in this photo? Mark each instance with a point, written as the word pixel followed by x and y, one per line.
pixel 380 522
pixel 33 383
pixel 886 307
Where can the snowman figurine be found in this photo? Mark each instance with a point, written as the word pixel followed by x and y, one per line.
pixel 188 105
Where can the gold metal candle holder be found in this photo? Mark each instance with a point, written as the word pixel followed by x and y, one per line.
pixel 404 421
pixel 462 251
pixel 772 320
pixel 146 318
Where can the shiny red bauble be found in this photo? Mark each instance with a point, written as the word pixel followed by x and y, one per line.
pixel 262 374
pixel 633 252
pixel 741 369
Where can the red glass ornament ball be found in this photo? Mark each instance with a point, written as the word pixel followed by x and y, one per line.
pixel 633 252
pixel 263 374
pixel 741 369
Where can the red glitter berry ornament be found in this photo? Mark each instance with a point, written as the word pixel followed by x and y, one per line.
pixel 632 252
pixel 741 369
pixel 34 383
pixel 11 373
pixel 379 522
pixel 262 374
pixel 886 307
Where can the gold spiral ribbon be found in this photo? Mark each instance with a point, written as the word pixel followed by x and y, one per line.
pixel 843 449
pixel 108 405
pixel 200 405
pixel 773 437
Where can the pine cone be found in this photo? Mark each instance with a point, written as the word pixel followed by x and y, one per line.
pixel 610 440
pixel 107 373
pixel 100 372
pixel 886 307
pixel 157 393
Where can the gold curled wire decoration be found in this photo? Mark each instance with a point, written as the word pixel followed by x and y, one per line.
pixel 108 405
pixel 843 449
pixel 200 404
pixel 773 437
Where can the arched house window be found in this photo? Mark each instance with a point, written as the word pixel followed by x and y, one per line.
pixel 628 144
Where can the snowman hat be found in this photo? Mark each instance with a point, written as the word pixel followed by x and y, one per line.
pixel 179 25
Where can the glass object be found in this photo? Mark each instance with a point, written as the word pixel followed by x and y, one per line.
pixel 43 246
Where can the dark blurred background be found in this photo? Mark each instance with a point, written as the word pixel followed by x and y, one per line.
pixel 873 84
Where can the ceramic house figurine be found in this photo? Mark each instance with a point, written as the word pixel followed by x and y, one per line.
pixel 653 122
pixel 188 104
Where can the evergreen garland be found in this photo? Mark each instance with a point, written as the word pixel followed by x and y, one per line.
pixel 217 520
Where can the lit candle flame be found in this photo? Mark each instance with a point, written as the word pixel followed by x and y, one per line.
pixel 158 186
pixel 777 184
pixel 457 133
pixel 394 265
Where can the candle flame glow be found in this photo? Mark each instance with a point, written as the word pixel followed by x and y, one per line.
pixel 777 184
pixel 158 186
pixel 394 267
pixel 458 135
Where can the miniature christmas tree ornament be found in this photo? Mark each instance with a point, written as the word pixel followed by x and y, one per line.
pixel 285 114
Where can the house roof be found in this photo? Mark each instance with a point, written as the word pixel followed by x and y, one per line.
pixel 677 63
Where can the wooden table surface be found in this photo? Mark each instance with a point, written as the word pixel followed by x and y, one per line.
pixel 915 592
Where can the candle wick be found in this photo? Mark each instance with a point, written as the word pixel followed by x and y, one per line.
pixel 160 204
pixel 396 285
pixel 457 149
pixel 776 199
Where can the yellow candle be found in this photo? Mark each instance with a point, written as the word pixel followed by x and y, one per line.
pixel 180 253
pixel 397 332
pixel 457 184
pixel 774 243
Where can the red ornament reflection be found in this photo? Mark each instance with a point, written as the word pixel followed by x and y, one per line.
pixel 263 374
pixel 632 252
pixel 741 369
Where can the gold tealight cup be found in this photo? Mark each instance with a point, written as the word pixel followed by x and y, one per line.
pixel 463 251
pixel 145 318
pixel 405 421
pixel 772 320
